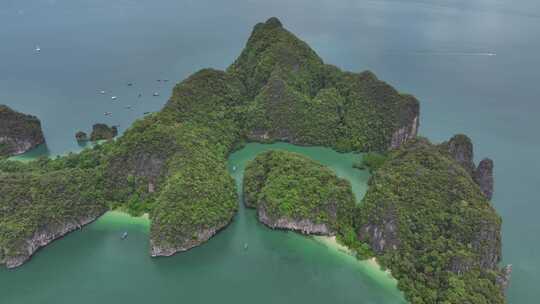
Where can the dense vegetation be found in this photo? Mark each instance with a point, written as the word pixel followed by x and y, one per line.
pixel 437 226
pixel 371 161
pixel 298 98
pixel 293 187
pixel 102 132
pixel 18 132
pixel 42 203
pixel 429 223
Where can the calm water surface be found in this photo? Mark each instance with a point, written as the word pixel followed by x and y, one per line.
pixel 96 266
pixel 473 64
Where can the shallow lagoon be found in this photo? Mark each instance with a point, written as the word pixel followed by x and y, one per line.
pixel 94 265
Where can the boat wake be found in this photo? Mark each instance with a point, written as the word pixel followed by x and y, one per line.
pixel 435 53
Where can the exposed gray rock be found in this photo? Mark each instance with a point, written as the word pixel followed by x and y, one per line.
pixel 503 279
pixel 304 226
pixel 45 236
pixel 487 243
pixel 408 122
pixel 460 148
pixel 202 236
pixel 382 236
pixel 483 175
pixel 18 132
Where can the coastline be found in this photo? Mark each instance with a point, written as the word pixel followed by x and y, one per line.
pixel 120 220
pixel 370 266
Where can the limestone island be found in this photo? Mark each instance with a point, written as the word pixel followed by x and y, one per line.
pixel 291 191
pixel 426 215
pixel 18 132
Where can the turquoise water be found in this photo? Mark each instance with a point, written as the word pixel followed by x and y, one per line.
pixel 95 266
pixel 473 64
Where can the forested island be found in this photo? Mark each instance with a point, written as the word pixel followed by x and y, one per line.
pixel 426 215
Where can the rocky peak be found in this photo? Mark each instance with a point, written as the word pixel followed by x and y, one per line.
pixel 271 47
pixel 273 22
pixel 460 148
pixel 483 175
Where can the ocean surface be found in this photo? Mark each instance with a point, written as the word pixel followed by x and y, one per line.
pixel 474 65
pixel 245 263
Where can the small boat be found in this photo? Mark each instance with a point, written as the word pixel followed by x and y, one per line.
pixel 155 94
pixel 130 84
pixel 159 80
pixel 124 235
pixel 107 113
pixel 166 80
pixel 145 113
pixel 102 92
pixel 245 246
pixel 140 95
pixel 38 49
pixel 114 98
pixel 128 107
pixel 234 168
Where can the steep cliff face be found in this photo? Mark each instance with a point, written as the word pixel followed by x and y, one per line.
pixel 198 238
pixel 43 237
pixel 292 192
pixel 18 132
pixel 407 123
pixel 37 208
pixel 460 148
pixel 503 279
pixel 483 175
pixel 304 226
pixel 423 205
pixel 383 235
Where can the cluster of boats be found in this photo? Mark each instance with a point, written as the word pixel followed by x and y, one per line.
pixel 129 84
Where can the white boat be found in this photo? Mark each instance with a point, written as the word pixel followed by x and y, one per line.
pixel 107 113
pixel 114 98
pixel 38 49
pixel 155 94
pixel 234 168
pixel 102 92
pixel 124 235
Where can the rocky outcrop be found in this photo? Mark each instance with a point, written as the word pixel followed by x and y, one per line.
pixel 18 132
pixel 383 236
pixel 103 132
pixel 483 175
pixel 201 236
pixel 409 124
pixel 43 237
pixel 81 136
pixel 503 279
pixel 487 243
pixel 305 226
pixel 461 149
